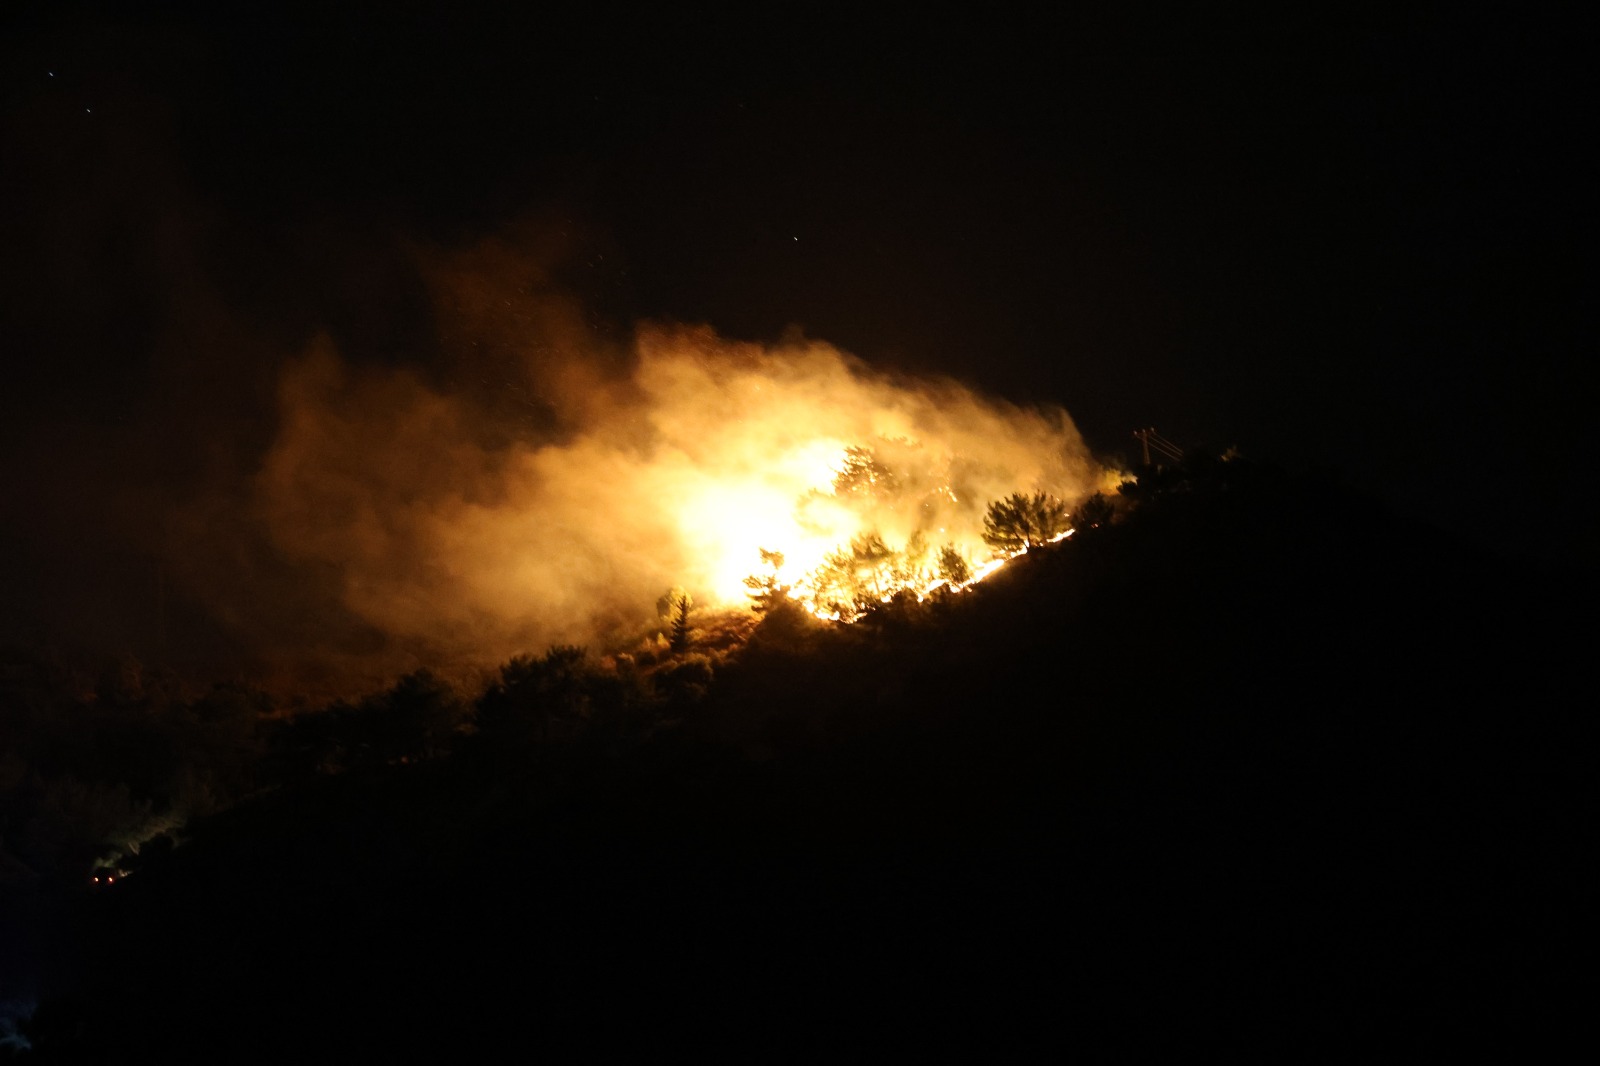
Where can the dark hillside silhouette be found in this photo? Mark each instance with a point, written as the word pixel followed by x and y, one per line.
pixel 1257 767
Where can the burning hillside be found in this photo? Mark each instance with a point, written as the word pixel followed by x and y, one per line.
pixel 721 467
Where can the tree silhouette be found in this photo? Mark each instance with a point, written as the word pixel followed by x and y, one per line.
pixel 424 713
pixel 1020 522
pixel 765 590
pixel 856 575
pixel 680 624
pixel 953 566
pixel 686 680
pixel 1093 512
pixel 533 694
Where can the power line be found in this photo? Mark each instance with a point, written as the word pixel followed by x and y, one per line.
pixel 1151 439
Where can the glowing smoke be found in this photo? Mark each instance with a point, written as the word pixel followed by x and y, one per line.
pixel 464 467
pixel 460 544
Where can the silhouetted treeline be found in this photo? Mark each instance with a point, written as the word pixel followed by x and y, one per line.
pixel 1253 764
pixel 88 776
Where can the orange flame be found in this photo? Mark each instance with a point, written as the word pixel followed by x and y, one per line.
pixel 454 539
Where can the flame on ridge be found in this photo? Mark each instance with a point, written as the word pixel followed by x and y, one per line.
pixel 802 450
pixel 444 535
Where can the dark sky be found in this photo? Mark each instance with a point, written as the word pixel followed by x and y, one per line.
pixel 1348 237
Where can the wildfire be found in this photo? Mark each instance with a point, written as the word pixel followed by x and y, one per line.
pixel 730 520
pixel 869 570
pixel 806 473
pixel 726 469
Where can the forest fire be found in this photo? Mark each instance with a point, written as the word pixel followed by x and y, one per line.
pixel 836 487
pixel 809 473
pixel 730 470
pixel 847 565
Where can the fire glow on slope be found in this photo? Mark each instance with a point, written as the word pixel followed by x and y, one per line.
pixel 450 537
pixel 858 484
pixel 919 584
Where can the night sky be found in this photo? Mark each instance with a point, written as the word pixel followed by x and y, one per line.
pixel 1345 238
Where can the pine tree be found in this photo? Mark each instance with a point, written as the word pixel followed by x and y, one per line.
pixel 680 625
pixel 1020 522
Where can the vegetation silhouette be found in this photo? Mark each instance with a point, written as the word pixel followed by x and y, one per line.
pixel 535 697
pixel 766 590
pixel 680 625
pixel 1094 512
pixel 1259 751
pixel 953 566
pixel 1020 521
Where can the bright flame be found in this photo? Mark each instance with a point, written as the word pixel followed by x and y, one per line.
pixel 802 451
pixel 451 537
pixel 731 522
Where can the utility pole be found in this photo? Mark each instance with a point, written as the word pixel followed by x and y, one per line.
pixel 1149 437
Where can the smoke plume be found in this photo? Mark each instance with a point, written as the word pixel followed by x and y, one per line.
pixel 544 485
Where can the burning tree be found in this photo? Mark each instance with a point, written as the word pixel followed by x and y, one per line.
pixel 1020 522
pixel 863 474
pixel 953 566
pixel 867 534
pixel 854 576
pixel 911 563
pixel 766 592
pixel 911 493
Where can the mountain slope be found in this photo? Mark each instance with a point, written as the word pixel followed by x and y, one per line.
pixel 1260 767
